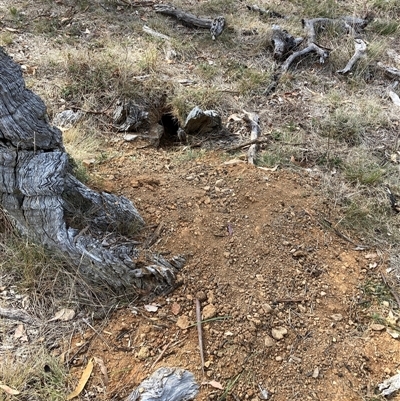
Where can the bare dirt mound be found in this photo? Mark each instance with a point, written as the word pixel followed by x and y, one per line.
pixel 284 300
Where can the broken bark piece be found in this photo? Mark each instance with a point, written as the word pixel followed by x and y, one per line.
pixel 283 42
pixel 216 25
pixel 166 384
pixel 51 207
pixel 360 51
pixel 200 122
pixel 128 116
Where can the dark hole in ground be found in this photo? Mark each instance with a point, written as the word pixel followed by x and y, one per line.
pixel 170 125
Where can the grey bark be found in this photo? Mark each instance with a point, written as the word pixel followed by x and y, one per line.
pixel 166 384
pixel 50 206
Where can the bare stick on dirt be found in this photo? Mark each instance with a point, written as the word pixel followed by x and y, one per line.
pixel 200 333
pixel 161 354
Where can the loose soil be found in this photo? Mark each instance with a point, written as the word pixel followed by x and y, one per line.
pixel 258 259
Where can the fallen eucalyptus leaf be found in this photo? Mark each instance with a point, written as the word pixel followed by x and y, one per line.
pixel 82 381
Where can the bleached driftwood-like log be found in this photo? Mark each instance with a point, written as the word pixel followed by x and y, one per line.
pixel 216 25
pixel 360 52
pixel 51 207
pixel 349 25
pixel 254 121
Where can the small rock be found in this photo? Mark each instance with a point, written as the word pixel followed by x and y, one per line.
pixel 219 182
pixel 377 327
pixel 143 353
pixel 299 254
pixel 209 311
pixel 210 297
pixel 278 332
pixel 316 373
pixel 268 341
pixel 190 177
pixel 279 359
pixel 385 303
pixel 302 308
pixel 201 296
pixel 337 317
pixel 183 322
pixel 267 308
pixel 227 255
pixel 130 137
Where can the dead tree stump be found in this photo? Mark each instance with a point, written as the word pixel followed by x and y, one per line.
pixel 43 199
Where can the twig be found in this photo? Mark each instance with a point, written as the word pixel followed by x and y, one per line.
pixel 199 332
pixel 161 354
pixel 392 290
pixel 289 300
pixel 153 238
pixel 97 112
pixel 247 143
pixel 100 336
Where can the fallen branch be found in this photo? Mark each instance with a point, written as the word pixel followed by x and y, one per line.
pixel 349 25
pixel 155 33
pixel 216 25
pixel 360 51
pixel 16 314
pixel 199 332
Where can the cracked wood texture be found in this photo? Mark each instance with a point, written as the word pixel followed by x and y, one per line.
pixel 51 207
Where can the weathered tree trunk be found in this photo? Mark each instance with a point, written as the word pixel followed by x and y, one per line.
pixel 50 206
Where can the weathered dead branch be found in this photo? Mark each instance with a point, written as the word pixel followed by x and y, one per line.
pixel 216 25
pixel 348 25
pixel 360 52
pixel 254 120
